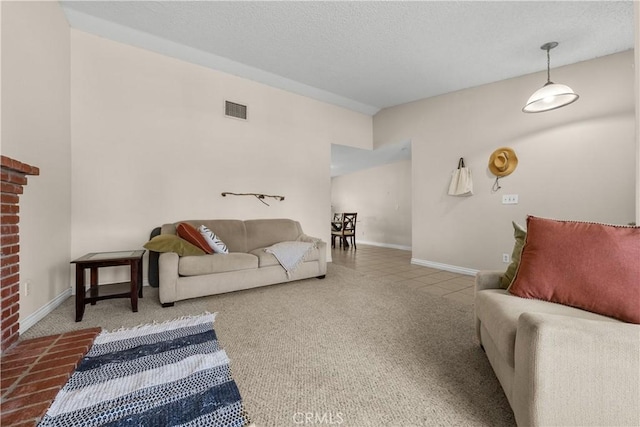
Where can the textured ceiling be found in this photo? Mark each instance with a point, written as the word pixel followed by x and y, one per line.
pixel 346 160
pixel 365 55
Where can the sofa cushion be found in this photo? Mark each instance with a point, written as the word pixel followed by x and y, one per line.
pixel 262 233
pixel 193 236
pixel 499 312
pixel 231 231
pixel 267 259
pixel 216 263
pixel 586 265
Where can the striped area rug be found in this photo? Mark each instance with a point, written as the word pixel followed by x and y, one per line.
pixel 166 374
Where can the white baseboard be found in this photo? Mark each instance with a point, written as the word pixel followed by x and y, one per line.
pixel 49 307
pixel 43 311
pixel 385 245
pixel 445 267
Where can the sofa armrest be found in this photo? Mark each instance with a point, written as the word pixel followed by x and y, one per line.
pixel 485 279
pixel 309 239
pixel 572 371
pixel 168 272
pixel 322 251
pixel 488 279
pixel 322 260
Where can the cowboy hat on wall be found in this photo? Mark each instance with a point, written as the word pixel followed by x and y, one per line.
pixel 502 162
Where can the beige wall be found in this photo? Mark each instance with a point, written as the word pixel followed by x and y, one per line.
pixel 36 130
pixel 382 198
pixel 150 145
pixel 577 162
pixel 147 127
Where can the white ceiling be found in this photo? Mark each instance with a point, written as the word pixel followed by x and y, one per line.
pixel 346 160
pixel 365 55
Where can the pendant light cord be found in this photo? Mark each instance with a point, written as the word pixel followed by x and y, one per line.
pixel 548 47
pixel 548 66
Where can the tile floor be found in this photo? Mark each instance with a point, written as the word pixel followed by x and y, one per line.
pixel 34 370
pixel 395 264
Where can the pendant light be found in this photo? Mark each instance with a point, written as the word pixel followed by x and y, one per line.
pixel 551 95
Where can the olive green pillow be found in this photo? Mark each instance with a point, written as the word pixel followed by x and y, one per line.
pixel 173 243
pixel 520 234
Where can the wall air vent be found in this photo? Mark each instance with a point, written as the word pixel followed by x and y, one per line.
pixel 232 109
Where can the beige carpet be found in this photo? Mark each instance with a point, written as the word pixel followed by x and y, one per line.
pixel 350 350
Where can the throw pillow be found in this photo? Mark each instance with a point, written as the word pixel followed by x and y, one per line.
pixel 191 235
pixel 172 243
pixel 585 265
pixel 214 241
pixel 520 234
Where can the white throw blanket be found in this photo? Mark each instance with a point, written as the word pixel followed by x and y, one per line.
pixel 290 254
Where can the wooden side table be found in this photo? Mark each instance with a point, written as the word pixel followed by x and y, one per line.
pixel 95 260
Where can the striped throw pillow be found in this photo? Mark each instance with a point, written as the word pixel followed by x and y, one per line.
pixel 214 241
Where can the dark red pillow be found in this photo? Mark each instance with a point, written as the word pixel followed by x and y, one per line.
pixel 595 267
pixel 190 234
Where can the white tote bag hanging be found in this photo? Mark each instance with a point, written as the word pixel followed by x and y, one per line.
pixel 461 183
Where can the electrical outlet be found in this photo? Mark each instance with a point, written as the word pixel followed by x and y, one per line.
pixel 27 286
pixel 510 199
pixel 506 258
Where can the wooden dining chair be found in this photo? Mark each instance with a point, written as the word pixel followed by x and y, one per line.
pixel 336 225
pixel 336 222
pixel 347 231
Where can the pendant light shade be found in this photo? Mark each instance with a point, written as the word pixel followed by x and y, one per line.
pixel 551 95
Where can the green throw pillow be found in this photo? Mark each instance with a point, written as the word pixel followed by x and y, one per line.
pixel 173 243
pixel 520 234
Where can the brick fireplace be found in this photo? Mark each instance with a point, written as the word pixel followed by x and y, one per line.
pixel 32 371
pixel 13 177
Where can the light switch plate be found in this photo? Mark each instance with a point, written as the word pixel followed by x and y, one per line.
pixel 510 199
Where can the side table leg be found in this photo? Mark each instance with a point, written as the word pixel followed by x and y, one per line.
pixel 134 286
pixel 94 283
pixel 140 278
pixel 80 291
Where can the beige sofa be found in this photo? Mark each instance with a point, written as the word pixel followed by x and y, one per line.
pixel 558 365
pixel 246 265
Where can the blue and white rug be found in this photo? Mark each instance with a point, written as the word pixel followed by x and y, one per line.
pixel 167 374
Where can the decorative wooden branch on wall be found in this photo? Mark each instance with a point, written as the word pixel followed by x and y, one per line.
pixel 257 195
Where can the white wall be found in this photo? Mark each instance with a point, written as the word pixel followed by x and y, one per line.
pixel 36 130
pixel 382 198
pixel 577 162
pixel 146 128
pixel 150 145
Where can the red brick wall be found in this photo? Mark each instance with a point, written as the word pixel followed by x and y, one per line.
pixel 13 176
